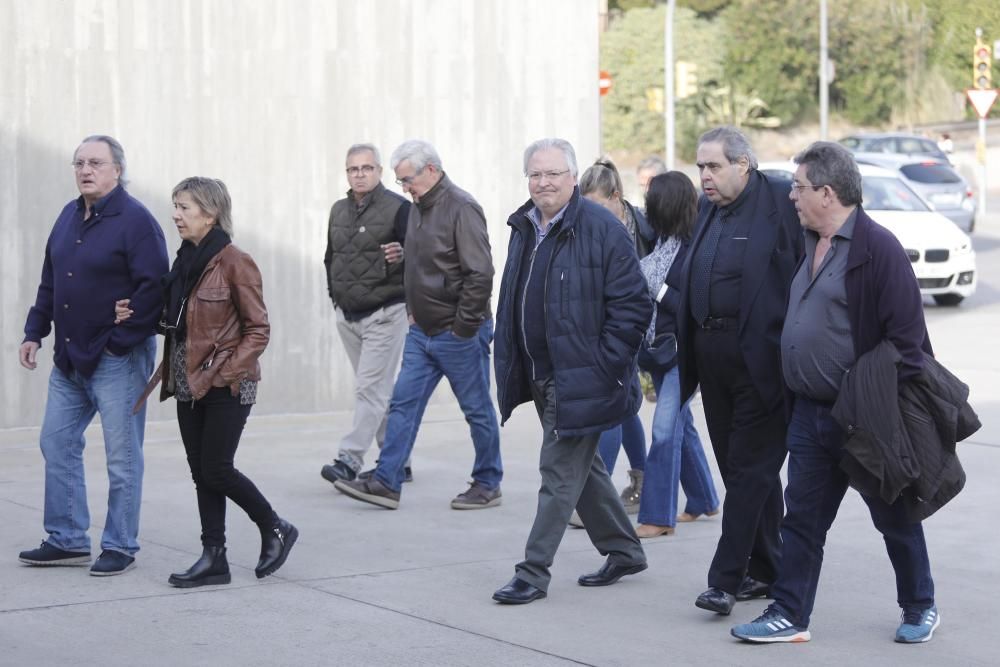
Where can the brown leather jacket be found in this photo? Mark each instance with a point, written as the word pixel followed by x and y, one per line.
pixel 449 267
pixel 227 328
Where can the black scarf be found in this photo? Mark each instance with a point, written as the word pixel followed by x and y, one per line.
pixel 188 266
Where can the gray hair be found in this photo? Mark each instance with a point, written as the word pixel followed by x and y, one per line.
pixel 654 164
pixel 361 148
pixel 552 142
pixel 601 177
pixel 117 154
pixel 418 153
pixel 828 163
pixel 212 196
pixel 735 144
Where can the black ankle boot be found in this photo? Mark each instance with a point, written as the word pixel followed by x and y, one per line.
pixel 275 543
pixel 212 568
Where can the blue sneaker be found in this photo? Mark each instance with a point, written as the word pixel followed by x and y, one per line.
pixel 918 627
pixel 771 627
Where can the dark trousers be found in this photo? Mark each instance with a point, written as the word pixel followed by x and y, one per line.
pixel 573 475
pixel 816 487
pixel 211 429
pixel 748 437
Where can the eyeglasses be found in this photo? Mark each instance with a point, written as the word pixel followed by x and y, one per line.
pixel 365 169
pixel 798 187
pixel 537 176
pixel 408 180
pixel 93 164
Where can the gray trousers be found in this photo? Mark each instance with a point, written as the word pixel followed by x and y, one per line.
pixel 373 345
pixel 573 475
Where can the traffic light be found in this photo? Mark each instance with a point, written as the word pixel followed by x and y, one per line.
pixel 685 79
pixel 982 78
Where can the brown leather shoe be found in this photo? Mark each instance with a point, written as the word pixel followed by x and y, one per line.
pixel 648 530
pixel 684 517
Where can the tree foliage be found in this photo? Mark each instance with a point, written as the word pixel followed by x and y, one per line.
pixel 632 51
pixel 900 61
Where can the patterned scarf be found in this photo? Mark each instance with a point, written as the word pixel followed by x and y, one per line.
pixel 655 267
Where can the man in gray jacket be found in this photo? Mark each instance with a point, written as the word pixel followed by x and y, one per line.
pixel 448 280
pixel 364 274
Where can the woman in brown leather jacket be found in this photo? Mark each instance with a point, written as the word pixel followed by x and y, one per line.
pixel 216 328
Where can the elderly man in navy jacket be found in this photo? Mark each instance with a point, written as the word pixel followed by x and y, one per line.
pixel 854 288
pixel 105 246
pixel 737 273
pixel 572 312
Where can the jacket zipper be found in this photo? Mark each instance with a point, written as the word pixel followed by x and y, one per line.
pixel 545 311
pixel 524 299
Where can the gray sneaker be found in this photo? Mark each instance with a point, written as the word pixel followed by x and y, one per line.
pixel 477 497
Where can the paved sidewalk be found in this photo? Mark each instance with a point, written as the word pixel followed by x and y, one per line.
pixel 366 586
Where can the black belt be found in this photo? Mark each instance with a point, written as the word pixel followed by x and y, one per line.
pixel 719 324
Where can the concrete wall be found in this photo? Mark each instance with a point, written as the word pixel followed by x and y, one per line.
pixel 268 95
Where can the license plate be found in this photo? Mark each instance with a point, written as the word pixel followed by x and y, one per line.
pixel 946 200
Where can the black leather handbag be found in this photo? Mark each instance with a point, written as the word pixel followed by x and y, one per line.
pixel 660 355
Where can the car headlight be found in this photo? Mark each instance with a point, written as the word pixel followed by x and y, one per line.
pixel 963 249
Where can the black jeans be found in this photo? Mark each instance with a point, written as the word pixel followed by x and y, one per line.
pixel 748 436
pixel 211 429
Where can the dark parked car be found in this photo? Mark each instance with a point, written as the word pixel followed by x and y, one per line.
pixel 889 142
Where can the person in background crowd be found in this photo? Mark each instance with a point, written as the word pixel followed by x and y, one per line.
pixel 602 184
pixel 570 317
pixel 103 247
pixel 736 279
pixel 676 457
pixel 647 169
pixel 215 324
pixel 364 271
pixel 448 281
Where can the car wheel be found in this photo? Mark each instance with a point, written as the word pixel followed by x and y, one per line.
pixel 972 224
pixel 948 299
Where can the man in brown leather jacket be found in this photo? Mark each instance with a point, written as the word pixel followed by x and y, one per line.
pixel 448 280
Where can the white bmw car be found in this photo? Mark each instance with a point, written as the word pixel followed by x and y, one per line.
pixel 941 253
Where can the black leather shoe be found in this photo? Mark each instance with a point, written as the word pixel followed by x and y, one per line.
pixel 518 591
pixel 751 589
pixel 609 574
pixel 212 568
pixel 275 544
pixel 338 470
pixel 717 600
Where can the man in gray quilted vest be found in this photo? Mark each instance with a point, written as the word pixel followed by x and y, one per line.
pixel 364 270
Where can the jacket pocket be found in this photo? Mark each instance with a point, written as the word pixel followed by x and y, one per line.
pixel 212 307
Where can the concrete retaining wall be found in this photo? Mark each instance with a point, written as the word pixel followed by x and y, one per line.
pixel 268 95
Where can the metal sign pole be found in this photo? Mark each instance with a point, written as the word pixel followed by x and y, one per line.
pixel 981 156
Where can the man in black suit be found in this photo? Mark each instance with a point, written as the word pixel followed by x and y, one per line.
pixel 747 244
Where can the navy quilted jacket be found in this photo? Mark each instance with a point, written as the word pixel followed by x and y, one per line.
pixel 597 311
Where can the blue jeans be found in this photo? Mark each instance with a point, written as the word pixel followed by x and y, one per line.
pixel 816 487
pixel 632 438
pixel 73 401
pixel 676 458
pixel 466 364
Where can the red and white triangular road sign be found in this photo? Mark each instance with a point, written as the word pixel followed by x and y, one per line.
pixel 982 100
